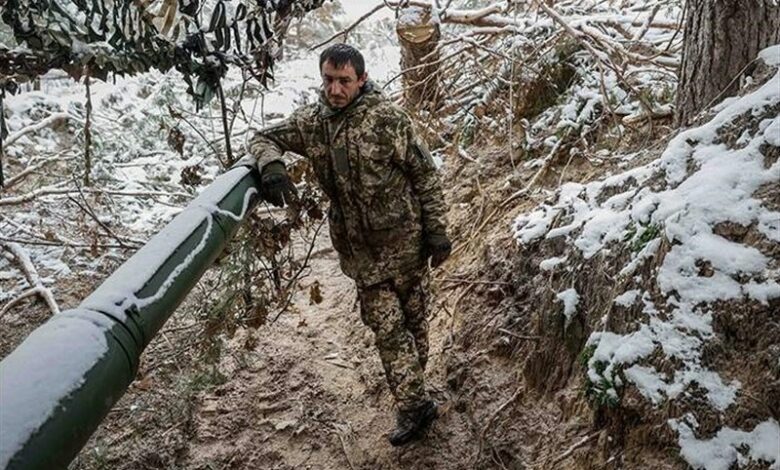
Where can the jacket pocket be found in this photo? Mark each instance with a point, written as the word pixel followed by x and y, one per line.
pixel 375 163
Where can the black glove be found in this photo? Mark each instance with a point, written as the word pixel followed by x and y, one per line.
pixel 438 247
pixel 275 184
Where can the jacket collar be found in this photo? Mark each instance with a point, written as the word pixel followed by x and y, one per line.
pixel 369 95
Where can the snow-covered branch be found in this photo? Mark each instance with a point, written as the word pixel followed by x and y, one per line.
pixel 51 120
pixel 58 189
pixel 31 274
pixel 30 170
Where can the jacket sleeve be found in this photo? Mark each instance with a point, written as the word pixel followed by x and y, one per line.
pixel 269 144
pixel 417 164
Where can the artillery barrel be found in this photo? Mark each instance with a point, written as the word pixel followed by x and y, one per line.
pixel 58 385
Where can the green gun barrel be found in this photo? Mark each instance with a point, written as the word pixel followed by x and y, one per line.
pixel 58 385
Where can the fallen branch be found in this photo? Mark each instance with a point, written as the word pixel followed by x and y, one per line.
pixel 574 447
pixel 87 129
pixel 344 448
pixel 492 17
pixel 31 274
pixel 57 189
pixel 464 155
pixel 33 291
pixel 29 170
pixel 53 119
pixel 49 236
pixel 470 281
pixel 488 16
pixel 658 112
pixel 600 56
pixel 64 243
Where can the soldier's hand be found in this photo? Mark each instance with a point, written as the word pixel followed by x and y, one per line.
pixel 275 184
pixel 438 247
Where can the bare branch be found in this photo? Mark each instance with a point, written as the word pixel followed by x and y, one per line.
pixel 57 189
pixel 31 274
pixel 32 169
pixel 349 28
pixel 51 120
pixel 575 446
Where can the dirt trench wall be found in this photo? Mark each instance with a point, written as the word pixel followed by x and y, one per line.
pixel 515 322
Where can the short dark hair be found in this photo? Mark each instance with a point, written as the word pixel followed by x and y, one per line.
pixel 342 54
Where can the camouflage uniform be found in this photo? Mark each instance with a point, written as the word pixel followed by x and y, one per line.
pixel 385 197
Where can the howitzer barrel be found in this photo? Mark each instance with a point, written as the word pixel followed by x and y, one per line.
pixel 59 384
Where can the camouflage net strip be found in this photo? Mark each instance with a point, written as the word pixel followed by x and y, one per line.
pixel 201 39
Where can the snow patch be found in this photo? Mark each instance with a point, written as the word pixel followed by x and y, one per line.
pixel 550 263
pixel 627 298
pixel 648 382
pixel 729 446
pixel 771 55
pixel 570 299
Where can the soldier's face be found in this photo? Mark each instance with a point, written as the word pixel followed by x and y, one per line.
pixel 342 84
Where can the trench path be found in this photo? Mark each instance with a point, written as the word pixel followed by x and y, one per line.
pixel 310 392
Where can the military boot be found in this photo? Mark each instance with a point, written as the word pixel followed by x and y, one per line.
pixel 410 424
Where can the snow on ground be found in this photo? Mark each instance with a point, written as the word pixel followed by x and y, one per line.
pixel 720 452
pixel 705 183
pixel 570 299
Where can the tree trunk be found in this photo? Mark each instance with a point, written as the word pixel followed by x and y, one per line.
pixel 419 38
pixel 721 37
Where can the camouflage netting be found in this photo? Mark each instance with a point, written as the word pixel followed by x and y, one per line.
pixel 201 39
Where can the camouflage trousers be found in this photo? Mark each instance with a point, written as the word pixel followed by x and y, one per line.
pixel 397 314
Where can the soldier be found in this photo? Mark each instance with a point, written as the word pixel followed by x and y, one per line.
pixel 386 215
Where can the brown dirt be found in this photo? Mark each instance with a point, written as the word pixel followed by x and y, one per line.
pixel 311 394
pixel 305 392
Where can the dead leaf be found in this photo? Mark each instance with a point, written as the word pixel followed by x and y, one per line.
pixel 176 140
pixel 315 294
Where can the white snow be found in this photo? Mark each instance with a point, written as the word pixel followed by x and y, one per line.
pixel 411 16
pixel 647 380
pixel 763 292
pixel 771 55
pixel 550 263
pixel 772 132
pixel 706 183
pixel 730 446
pixel 627 298
pixel 570 299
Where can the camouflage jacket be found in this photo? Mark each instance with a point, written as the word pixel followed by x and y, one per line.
pixel 383 186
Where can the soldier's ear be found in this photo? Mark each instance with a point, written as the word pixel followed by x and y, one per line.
pixel 363 78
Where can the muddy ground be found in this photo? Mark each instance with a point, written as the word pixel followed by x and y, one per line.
pixel 304 392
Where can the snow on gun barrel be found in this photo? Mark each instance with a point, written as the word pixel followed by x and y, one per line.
pixel 58 385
